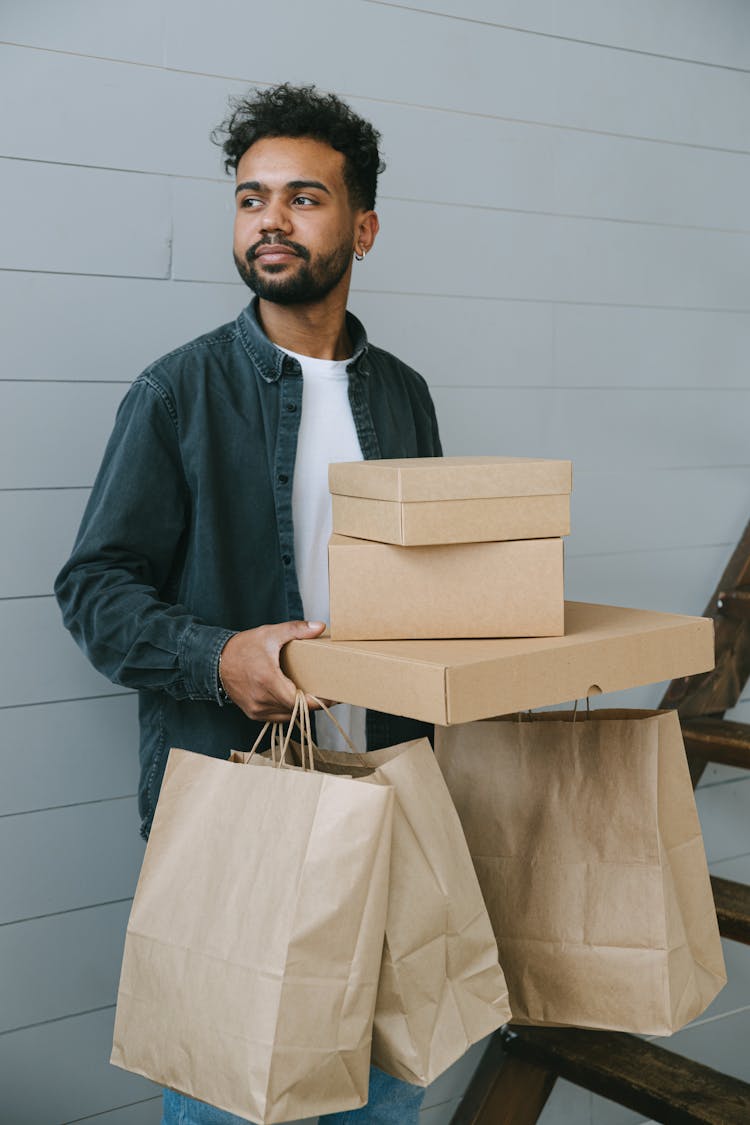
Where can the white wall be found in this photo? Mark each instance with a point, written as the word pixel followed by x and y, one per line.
pixel 564 255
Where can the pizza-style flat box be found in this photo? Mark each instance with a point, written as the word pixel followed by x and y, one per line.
pixel 421 501
pixel 379 591
pixel 459 681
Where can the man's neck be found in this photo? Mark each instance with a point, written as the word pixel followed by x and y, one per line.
pixel 317 330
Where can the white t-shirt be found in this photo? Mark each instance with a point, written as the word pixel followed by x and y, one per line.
pixel 326 433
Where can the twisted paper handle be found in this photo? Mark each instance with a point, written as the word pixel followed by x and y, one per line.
pixel 300 718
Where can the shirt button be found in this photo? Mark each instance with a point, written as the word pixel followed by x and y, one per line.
pixel 283 478
pixel 286 559
pixel 291 407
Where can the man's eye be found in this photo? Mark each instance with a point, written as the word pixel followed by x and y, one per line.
pixel 306 200
pixel 249 202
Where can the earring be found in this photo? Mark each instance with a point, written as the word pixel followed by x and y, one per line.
pixel 360 257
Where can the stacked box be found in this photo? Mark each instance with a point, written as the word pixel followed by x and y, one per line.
pixel 448 547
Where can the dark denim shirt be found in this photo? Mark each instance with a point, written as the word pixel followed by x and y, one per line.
pixel 188 536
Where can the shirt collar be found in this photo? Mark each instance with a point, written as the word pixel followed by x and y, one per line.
pixel 272 361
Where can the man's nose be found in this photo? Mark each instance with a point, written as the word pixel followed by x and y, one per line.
pixel 275 217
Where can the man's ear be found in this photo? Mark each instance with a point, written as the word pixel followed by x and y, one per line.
pixel 366 231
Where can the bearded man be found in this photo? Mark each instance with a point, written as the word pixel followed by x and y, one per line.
pixel 203 548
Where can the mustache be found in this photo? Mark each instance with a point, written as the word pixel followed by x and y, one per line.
pixel 277 240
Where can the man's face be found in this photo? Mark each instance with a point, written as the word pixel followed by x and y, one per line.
pixel 294 229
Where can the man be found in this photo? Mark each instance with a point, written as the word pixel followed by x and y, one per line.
pixel 203 545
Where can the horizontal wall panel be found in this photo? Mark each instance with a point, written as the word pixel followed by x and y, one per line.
pixel 717 33
pixel 740 713
pixel 721 1044
pixel 737 993
pixel 83 220
pixel 499 76
pixel 723 813
pixel 63 859
pixel 719 775
pixel 536 257
pixel 641 510
pixel 61 964
pixel 106 328
pixel 434 248
pixel 60 1072
pixel 38 533
pixel 544 168
pixel 39 660
pixel 603 430
pixel 650 347
pixel 439 1114
pixel 452 1082
pixel 604 1112
pixel 119 112
pixel 567 1103
pixel 459 341
pixel 67 449
pixel 205 254
pixel 148 1112
pixel 64 753
pixel 737 869
pixel 87 27
pixel 464 66
pixel 665 581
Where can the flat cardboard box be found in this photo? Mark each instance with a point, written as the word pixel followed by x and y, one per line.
pixel 420 501
pixel 508 589
pixel 605 647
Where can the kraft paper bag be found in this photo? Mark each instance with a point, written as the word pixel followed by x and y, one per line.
pixel 588 849
pixel 255 939
pixel 441 986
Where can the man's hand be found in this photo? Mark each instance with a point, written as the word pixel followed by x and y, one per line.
pixel 251 674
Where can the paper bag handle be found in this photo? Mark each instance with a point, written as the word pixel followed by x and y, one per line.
pixel 336 723
pixel 300 718
pixel 300 705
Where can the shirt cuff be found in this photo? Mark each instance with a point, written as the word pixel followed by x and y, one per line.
pixel 199 659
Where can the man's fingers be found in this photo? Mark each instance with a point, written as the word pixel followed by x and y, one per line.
pixel 251 670
pixel 296 631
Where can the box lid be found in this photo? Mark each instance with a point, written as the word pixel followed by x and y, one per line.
pixel 459 681
pixel 449 478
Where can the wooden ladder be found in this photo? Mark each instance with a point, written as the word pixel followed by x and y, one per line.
pixel 521 1064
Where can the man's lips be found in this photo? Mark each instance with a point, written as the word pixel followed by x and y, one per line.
pixel 275 253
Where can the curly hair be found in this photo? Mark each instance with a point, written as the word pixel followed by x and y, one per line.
pixel 302 111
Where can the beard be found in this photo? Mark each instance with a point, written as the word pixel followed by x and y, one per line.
pixel 310 282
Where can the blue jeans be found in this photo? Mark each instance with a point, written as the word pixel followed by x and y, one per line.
pixel 391 1102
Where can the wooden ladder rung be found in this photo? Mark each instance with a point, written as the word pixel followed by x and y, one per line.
pixel 718 740
pixel 732 909
pixel 504 1090
pixel 735 603
pixel 634 1073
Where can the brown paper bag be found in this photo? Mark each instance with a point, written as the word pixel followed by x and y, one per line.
pixel 586 841
pixel 254 943
pixel 441 987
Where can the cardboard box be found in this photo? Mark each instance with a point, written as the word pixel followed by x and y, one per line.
pixel 605 647
pixel 429 500
pixel 452 521
pixel 508 589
